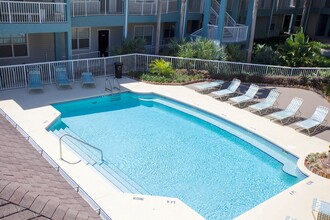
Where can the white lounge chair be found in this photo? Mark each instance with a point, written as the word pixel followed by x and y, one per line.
pixel 320 210
pixel 291 111
pixel 268 104
pixel 35 82
pixel 246 98
pixel 315 122
pixel 207 87
pixel 87 79
pixel 225 93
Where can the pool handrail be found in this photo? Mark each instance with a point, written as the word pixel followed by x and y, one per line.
pixel 81 141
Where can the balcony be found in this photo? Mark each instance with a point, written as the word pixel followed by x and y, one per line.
pixel 149 7
pixel 32 12
pixel 96 7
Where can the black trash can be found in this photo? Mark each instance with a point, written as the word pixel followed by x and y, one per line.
pixel 118 69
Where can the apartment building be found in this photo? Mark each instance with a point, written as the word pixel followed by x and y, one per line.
pixel 39 31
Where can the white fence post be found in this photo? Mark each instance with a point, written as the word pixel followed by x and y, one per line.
pixel 25 79
pixel 50 74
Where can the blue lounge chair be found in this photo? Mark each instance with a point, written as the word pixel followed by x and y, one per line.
pixel 87 79
pixel 225 93
pixel 246 98
pixel 35 82
pixel 291 111
pixel 268 104
pixel 207 87
pixel 62 79
pixel 315 122
pixel 320 209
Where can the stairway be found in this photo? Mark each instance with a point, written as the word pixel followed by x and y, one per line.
pixel 232 32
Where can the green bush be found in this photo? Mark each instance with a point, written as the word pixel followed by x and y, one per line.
pixel 161 68
pixel 263 54
pixel 202 49
pixel 235 53
pixel 130 46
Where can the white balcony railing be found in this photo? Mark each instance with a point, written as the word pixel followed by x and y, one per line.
pixel 32 12
pixel 149 7
pixel 115 7
pixel 96 7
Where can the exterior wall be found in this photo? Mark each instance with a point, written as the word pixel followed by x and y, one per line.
pixel 40 49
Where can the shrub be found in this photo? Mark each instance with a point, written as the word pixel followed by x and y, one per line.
pixel 235 53
pixel 264 54
pixel 130 46
pixel 202 49
pixel 161 68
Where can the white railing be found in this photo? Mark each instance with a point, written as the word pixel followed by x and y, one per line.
pixel 32 12
pixel 230 34
pixel 96 7
pixel 238 33
pixel 149 7
pixel 17 76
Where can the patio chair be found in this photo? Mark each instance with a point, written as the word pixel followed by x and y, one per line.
pixel 87 79
pixel 315 122
pixel 207 87
pixel 320 210
pixel 35 82
pixel 226 93
pixel 268 104
pixel 62 79
pixel 246 98
pixel 291 111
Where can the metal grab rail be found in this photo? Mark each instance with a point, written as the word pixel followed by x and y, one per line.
pixel 81 141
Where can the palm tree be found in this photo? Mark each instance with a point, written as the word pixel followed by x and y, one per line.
pixel 306 8
pixel 253 26
pixel 182 15
pixel 159 23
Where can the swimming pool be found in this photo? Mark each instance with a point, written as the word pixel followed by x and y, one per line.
pixel 161 147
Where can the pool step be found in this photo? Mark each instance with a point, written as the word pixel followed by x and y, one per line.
pixel 117 178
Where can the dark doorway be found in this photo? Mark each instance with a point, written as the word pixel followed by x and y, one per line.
pixel 286 23
pixel 103 43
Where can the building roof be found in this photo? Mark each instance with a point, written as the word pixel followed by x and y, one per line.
pixel 30 188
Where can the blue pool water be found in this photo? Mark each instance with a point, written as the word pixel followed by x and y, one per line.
pixel 170 149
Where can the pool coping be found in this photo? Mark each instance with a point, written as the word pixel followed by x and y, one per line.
pixel 44 115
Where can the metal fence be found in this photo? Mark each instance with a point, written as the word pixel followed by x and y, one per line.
pixel 17 76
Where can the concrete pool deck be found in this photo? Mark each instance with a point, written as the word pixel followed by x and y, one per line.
pixel 33 113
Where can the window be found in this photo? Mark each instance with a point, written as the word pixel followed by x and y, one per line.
pixel 169 30
pixel 13 45
pixel 144 32
pixel 298 21
pixel 80 38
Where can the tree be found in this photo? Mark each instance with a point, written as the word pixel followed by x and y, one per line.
pixel 182 20
pixel 253 26
pixel 159 22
